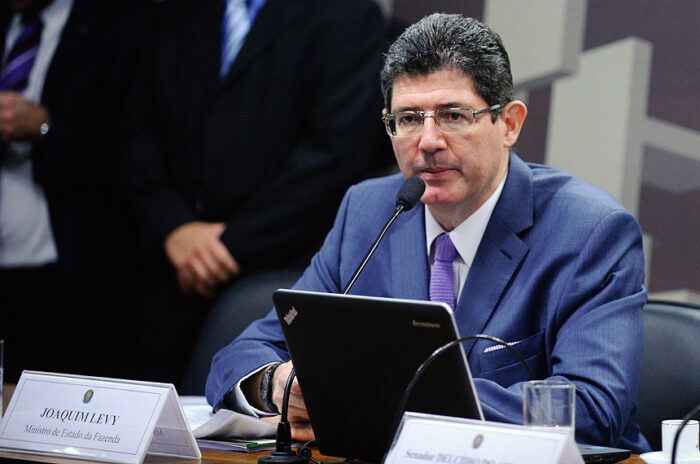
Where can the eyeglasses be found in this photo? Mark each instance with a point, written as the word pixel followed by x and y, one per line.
pixel 449 120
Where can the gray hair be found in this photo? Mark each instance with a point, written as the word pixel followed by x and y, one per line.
pixel 451 41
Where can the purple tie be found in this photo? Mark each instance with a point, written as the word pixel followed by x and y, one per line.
pixel 442 277
pixel 15 73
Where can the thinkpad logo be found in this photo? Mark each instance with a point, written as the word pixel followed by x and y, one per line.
pixel 289 317
pixel 426 325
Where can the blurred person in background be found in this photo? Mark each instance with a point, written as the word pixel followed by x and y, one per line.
pixel 64 66
pixel 247 121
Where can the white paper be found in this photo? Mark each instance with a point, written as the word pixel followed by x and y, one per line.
pixel 224 424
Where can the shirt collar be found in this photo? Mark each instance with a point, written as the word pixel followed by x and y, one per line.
pixel 253 6
pixel 467 235
pixel 57 10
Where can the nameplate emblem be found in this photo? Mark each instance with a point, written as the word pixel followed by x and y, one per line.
pixel 94 418
pixel 426 438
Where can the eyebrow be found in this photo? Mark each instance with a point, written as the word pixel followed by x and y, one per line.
pixel 442 106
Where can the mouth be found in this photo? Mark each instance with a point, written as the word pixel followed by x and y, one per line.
pixel 434 173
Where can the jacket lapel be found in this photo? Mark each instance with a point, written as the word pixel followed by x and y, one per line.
pixel 499 254
pixel 205 31
pixel 409 266
pixel 79 29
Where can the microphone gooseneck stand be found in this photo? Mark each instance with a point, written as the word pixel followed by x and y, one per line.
pixel 283 453
pixel 408 195
pixel 370 252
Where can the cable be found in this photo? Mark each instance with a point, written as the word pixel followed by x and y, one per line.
pixel 438 352
pixel 688 417
pixel 305 450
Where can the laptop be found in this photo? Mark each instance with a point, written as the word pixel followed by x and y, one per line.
pixel 354 357
pixel 602 454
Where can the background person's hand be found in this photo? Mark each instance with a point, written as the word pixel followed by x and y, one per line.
pixel 20 119
pixel 201 260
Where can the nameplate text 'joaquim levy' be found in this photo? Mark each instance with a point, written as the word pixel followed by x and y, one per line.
pixel 94 418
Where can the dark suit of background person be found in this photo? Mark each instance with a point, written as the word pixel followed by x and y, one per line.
pixel 62 316
pixel 268 150
pixel 559 272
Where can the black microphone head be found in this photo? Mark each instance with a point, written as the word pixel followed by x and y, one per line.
pixel 410 192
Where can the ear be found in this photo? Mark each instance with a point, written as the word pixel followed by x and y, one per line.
pixel 513 115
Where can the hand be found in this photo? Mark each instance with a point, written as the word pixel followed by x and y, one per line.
pixel 297 415
pixel 200 258
pixel 20 119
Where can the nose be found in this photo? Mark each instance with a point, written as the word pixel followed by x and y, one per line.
pixel 431 137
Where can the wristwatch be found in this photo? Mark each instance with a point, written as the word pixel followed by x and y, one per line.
pixel 266 388
pixel 44 128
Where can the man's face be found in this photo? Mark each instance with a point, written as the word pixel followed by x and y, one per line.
pixel 460 170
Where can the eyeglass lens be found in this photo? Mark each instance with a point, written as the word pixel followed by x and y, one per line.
pixel 449 120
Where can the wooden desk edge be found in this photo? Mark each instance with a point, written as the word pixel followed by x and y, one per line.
pixel 208 457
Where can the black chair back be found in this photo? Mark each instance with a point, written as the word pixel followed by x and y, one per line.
pixel 670 382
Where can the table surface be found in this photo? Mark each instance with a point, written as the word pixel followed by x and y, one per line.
pixel 208 456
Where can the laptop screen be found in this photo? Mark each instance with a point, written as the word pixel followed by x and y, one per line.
pixel 354 357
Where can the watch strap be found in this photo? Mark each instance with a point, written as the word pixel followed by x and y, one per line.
pixel 266 388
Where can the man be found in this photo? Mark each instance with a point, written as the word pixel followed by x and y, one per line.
pixel 60 73
pixel 243 136
pixel 543 260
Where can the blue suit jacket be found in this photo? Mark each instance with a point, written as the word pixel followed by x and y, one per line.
pixel 559 272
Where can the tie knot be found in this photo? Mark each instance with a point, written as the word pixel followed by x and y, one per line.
pixel 444 249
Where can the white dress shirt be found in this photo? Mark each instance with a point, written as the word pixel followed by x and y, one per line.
pixel 26 238
pixel 465 237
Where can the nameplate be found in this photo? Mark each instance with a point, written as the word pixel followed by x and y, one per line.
pixel 95 419
pixel 425 438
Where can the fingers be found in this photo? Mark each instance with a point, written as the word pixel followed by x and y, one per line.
pixel 225 262
pixel 279 381
pixel 302 431
pixel 214 264
pixel 297 415
pixel 296 408
pixel 200 258
pixel 185 283
pixel 20 119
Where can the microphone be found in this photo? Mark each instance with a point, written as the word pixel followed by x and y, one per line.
pixel 410 192
pixel 408 195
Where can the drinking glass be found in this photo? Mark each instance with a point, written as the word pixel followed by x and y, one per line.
pixel 550 405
